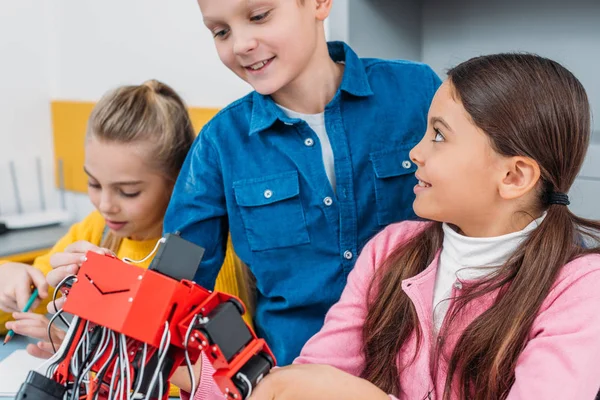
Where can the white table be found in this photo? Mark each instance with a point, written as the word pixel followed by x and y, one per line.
pixel 16 343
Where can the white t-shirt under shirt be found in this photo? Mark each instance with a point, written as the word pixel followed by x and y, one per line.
pixel 467 258
pixel 317 124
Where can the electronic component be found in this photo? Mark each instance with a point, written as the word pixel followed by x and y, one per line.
pixel 133 327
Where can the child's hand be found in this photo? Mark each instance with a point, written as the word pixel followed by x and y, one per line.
pixel 181 376
pixel 36 326
pixel 68 262
pixel 315 382
pixel 15 285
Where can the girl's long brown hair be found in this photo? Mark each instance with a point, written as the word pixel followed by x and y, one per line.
pixel 528 106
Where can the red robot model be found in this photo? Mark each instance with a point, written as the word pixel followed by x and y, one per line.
pixel 133 327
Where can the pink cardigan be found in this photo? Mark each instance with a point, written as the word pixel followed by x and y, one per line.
pixel 560 361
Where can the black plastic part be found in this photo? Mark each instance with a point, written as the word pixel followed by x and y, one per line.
pixel 226 329
pixel 37 386
pixel 238 305
pixel 255 370
pixel 149 369
pixel 177 258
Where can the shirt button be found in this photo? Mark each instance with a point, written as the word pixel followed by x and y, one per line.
pixel 309 142
pixel 327 201
pixel 406 164
pixel 348 255
pixel 458 285
pixel 268 194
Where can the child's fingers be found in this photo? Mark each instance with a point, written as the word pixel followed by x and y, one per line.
pixel 37 351
pixel 39 280
pixel 8 303
pixel 59 304
pixel 31 328
pixel 64 259
pixel 55 276
pixel 22 293
pixel 31 316
pixel 47 347
pixel 83 247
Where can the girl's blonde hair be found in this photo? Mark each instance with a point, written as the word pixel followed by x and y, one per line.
pixel 152 113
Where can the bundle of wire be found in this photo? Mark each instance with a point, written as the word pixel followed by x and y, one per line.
pixel 127 336
pixel 102 361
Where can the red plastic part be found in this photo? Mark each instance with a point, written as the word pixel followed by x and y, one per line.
pixel 137 302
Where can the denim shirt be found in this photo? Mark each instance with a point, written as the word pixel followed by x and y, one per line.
pixel 259 175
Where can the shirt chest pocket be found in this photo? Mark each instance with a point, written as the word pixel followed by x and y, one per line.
pixel 394 179
pixel 271 211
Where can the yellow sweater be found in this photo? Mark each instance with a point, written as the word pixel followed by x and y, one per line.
pixel 91 229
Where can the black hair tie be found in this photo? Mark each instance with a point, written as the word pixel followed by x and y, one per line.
pixel 558 198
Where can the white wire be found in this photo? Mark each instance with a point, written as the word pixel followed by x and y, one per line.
pixel 102 345
pixel 187 355
pixel 245 379
pixel 81 351
pixel 130 261
pixel 160 387
pixel 141 374
pixel 126 366
pixel 74 360
pixel 161 354
pixel 61 350
pixel 121 368
pixel 112 350
pixel 112 379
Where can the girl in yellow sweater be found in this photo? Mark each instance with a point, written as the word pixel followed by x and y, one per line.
pixel 137 139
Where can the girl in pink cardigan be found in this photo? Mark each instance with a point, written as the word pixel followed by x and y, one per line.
pixel 499 297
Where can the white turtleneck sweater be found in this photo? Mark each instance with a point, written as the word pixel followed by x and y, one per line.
pixel 467 258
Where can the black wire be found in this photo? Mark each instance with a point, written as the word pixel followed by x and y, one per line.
pixel 50 332
pixel 61 359
pixel 56 290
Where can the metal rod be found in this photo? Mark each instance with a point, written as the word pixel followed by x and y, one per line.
pixel 61 184
pixel 13 176
pixel 40 178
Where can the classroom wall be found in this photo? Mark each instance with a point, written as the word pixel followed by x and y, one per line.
pixel 76 50
pixel 568 32
pixel 385 28
pixel 112 42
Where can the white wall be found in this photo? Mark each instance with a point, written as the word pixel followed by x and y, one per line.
pixel 24 102
pixel 77 50
pixel 106 43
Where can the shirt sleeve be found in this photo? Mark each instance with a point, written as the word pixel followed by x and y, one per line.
pixel 561 360
pixel 207 388
pixel 197 209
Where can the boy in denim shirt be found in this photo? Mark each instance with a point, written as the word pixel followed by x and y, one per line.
pixel 304 170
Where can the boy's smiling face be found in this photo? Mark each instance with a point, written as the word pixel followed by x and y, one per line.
pixel 267 43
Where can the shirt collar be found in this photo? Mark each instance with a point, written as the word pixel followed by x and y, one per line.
pixel 354 82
